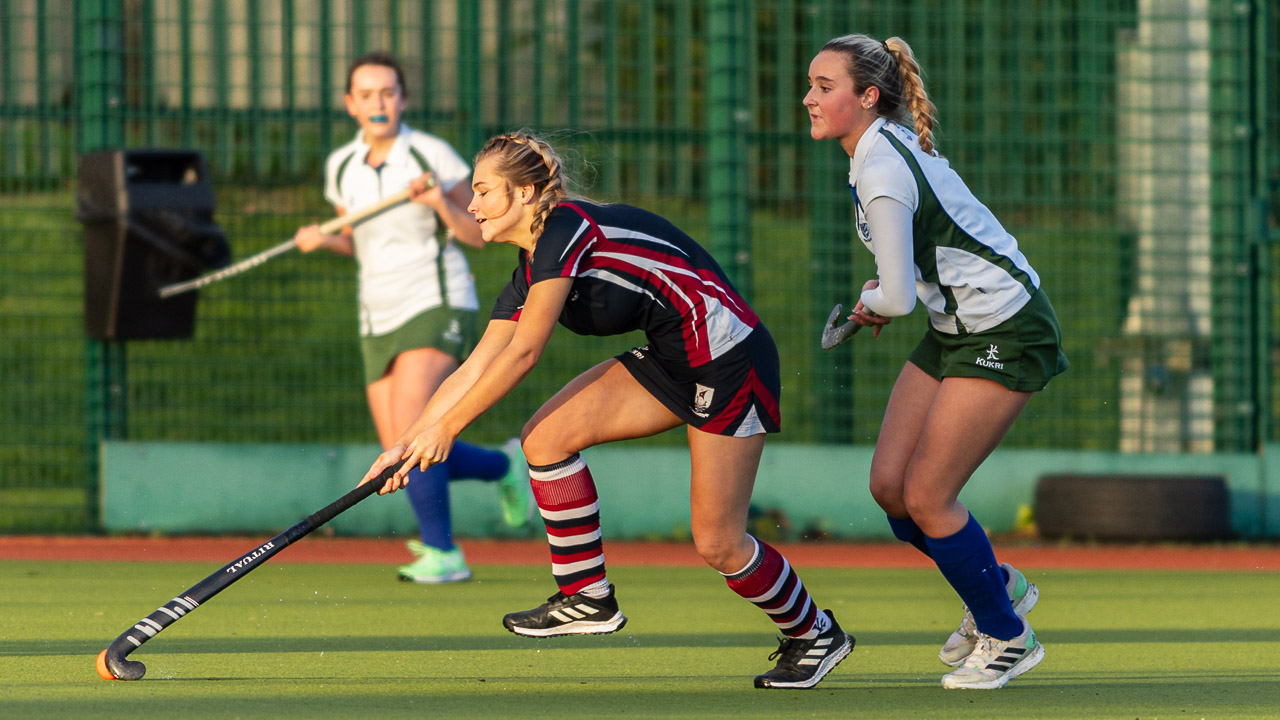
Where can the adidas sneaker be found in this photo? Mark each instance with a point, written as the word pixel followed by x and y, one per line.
pixel 803 663
pixel 1023 594
pixel 563 614
pixel 995 662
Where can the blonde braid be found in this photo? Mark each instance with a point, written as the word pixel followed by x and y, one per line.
pixel 923 111
pixel 554 191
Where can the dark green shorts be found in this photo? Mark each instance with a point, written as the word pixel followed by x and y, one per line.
pixel 448 330
pixel 1021 353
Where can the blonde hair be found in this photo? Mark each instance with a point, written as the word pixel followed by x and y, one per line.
pixel 521 158
pixel 890 66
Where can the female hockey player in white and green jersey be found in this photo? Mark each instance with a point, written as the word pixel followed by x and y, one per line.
pixel 993 338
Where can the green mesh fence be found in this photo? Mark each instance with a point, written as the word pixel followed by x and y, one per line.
pixel 1133 148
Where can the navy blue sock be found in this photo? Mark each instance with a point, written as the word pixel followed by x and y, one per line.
pixel 429 497
pixel 968 563
pixel 469 462
pixel 909 532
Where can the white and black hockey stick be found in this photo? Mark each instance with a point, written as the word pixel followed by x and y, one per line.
pixel 112 663
pixel 329 227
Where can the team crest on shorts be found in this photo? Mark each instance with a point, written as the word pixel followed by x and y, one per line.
pixel 702 400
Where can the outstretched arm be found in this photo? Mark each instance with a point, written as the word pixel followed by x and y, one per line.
pixel 501 367
pixel 497 335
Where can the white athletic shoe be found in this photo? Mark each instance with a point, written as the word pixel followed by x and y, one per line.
pixel 1022 593
pixel 995 662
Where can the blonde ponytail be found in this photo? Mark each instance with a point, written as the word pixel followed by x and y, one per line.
pixel 923 111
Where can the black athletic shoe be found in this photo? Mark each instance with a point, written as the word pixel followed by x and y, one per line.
pixel 803 663
pixel 568 615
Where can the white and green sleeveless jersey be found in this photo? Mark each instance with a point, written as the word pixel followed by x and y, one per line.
pixel 969 272
pixel 404 269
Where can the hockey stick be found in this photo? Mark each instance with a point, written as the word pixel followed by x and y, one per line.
pixel 112 663
pixel 832 334
pixel 327 228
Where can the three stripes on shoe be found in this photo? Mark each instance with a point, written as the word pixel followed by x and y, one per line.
pixel 1008 658
pixel 571 614
pixel 821 647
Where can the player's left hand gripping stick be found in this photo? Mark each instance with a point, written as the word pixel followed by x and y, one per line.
pixel 113 663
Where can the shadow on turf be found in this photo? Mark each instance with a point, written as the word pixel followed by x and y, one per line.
pixel 670 697
pixel 626 638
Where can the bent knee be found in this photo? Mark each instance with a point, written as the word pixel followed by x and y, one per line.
pixel 887 491
pixel 923 505
pixel 543 445
pixel 723 552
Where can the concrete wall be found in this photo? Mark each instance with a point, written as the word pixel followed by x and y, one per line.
pixel 206 487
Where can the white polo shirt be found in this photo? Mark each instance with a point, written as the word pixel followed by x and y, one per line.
pixel 403 268
pixel 968 269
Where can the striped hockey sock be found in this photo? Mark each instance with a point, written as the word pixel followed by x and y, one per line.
pixel 770 583
pixel 570 508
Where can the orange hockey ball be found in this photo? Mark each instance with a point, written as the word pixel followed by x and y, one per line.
pixel 101 665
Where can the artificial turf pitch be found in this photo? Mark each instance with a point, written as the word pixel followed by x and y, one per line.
pixel 343 641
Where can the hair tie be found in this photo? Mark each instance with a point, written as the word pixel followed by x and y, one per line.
pixel 885 44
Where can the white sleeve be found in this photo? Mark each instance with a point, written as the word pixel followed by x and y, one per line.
pixel 888 176
pixel 889 223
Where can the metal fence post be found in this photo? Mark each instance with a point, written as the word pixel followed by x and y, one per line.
pixel 1261 243
pixel 470 110
pixel 728 114
pixel 100 56
pixel 830 264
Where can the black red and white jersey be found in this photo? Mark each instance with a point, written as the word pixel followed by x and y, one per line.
pixel 633 270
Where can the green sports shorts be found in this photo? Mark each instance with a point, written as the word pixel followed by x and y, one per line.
pixel 1021 353
pixel 448 330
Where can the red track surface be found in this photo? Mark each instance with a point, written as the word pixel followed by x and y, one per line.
pixel 522 552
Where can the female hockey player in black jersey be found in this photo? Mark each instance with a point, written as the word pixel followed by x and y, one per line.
pixel 709 364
